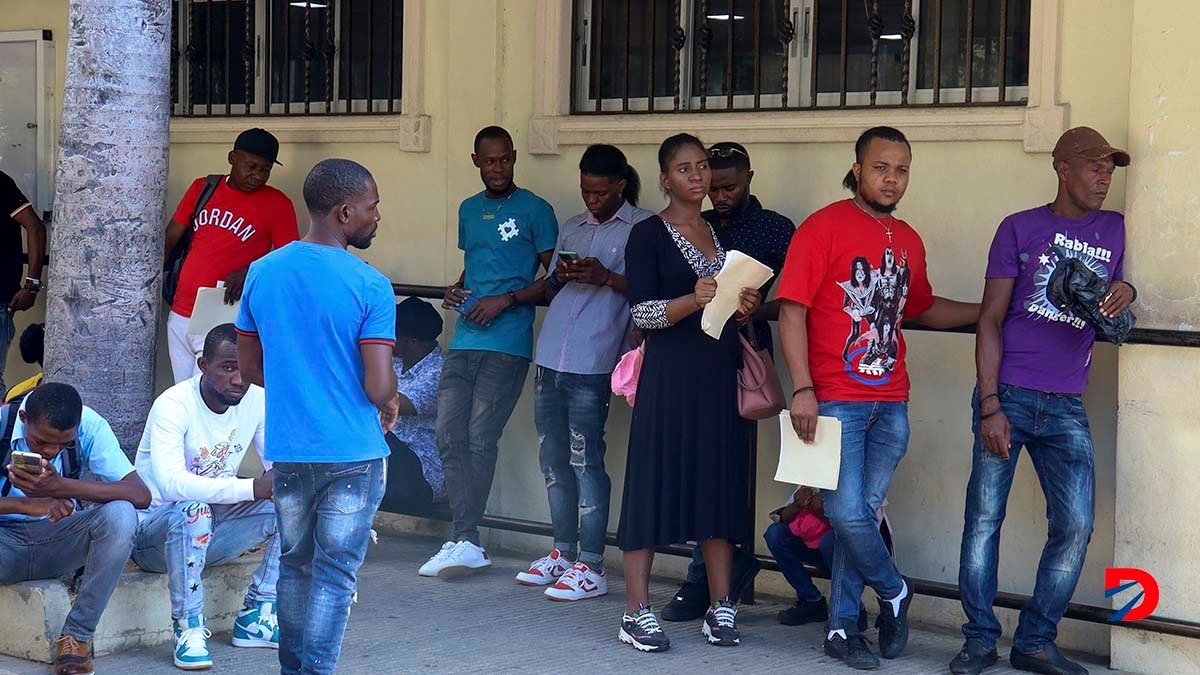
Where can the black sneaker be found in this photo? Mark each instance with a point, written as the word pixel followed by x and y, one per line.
pixel 893 627
pixel 690 603
pixel 973 659
pixel 853 650
pixel 720 625
pixel 643 632
pixel 804 612
pixel 1051 662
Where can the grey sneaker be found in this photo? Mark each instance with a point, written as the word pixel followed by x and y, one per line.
pixel 720 625
pixel 642 630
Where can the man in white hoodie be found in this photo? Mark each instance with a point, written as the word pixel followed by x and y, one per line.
pixel 202 513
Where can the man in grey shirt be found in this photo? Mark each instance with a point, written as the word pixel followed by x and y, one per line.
pixel 585 331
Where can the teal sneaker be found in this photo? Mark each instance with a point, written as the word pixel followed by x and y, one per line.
pixel 257 627
pixel 191 644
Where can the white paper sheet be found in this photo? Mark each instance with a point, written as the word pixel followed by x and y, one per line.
pixel 816 465
pixel 740 271
pixel 211 311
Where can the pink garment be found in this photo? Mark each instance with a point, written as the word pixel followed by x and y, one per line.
pixel 810 528
pixel 625 375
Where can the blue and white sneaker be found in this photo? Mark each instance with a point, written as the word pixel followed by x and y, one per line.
pixel 191 644
pixel 257 627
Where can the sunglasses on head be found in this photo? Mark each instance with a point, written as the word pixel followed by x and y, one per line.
pixel 727 152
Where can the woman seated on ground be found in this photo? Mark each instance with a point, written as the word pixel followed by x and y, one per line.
pixel 415 480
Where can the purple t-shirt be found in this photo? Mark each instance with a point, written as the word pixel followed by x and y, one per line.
pixel 1046 349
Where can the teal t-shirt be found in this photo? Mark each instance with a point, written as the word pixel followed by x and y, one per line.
pixel 500 240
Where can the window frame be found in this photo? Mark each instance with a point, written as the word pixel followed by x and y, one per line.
pixel 409 127
pixel 801 54
pixel 1037 124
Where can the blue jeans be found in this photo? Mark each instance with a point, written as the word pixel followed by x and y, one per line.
pixel 182 538
pixel 570 411
pixel 874 440
pixel 791 553
pixel 8 330
pixel 325 514
pixel 1054 428
pixel 476 396
pixel 99 539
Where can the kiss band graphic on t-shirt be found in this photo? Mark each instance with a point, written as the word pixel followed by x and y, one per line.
pixel 875 299
pixel 1038 304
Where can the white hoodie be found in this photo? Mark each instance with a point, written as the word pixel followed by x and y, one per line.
pixel 190 453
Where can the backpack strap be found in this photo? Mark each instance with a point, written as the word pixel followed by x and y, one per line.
pixel 8 422
pixel 211 182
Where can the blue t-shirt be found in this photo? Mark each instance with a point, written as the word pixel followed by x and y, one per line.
pixel 311 306
pixel 99 454
pixel 501 239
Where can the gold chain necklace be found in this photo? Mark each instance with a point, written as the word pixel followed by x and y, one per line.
pixel 887 228
pixel 492 215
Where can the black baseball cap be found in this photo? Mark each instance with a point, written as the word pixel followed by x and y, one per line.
pixel 259 142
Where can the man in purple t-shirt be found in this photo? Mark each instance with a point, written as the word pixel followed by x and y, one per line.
pixel 1033 360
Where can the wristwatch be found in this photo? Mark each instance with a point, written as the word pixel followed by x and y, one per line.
pixel 33 284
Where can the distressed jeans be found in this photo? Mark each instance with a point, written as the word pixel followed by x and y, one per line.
pixel 183 538
pixel 1054 428
pixel 570 411
pixel 98 539
pixel 476 396
pixel 874 440
pixel 325 515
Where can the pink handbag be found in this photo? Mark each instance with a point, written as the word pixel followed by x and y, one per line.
pixel 625 375
pixel 760 395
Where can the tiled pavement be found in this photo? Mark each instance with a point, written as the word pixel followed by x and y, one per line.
pixel 489 624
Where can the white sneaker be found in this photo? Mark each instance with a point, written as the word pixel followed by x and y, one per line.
pixel 438 561
pixel 545 571
pixel 581 583
pixel 465 558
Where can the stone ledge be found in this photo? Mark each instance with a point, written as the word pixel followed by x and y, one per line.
pixel 138 614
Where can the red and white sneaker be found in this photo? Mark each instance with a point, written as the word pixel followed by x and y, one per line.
pixel 581 583
pixel 545 571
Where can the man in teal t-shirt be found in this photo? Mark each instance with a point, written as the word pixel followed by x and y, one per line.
pixel 505 233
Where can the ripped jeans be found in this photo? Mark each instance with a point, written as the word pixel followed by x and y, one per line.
pixel 570 411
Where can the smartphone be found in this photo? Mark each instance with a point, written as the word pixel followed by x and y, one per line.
pixel 467 305
pixel 29 462
pixel 568 256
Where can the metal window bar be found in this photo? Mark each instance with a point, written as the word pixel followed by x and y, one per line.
pixel 969 61
pixel 226 62
pixel 650 44
pixel 391 61
pixel 598 27
pixel 729 55
pixel 937 51
pixel 287 60
pixel 758 54
pixel 1079 612
pixel 248 54
pixel 628 50
pixel 371 56
pixel 678 40
pixel 1003 49
pixel 208 77
pixel 704 41
pixel 330 50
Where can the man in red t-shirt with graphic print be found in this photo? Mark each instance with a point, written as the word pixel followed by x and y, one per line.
pixel 241 222
pixel 853 273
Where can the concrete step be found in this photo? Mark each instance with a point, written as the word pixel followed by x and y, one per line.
pixel 138 614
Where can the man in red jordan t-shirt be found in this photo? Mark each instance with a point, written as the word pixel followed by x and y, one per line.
pixel 853 273
pixel 241 222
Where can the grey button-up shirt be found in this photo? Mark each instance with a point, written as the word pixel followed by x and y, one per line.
pixel 587 327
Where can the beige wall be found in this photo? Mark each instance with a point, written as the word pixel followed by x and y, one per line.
pixel 1159 433
pixel 478 70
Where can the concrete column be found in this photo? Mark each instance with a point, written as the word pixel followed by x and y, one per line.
pixel 1158 431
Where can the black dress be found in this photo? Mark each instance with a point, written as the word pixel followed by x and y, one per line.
pixel 686 474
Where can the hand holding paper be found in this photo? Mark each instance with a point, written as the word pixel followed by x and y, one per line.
pixel 816 465
pixel 740 271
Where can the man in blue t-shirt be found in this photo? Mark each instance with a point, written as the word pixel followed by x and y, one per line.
pixel 43 535
pixel 316 329
pixel 505 233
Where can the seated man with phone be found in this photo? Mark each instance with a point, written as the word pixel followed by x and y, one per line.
pixel 50 440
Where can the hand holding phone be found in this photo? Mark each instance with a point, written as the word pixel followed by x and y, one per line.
pixel 29 462
pixel 568 256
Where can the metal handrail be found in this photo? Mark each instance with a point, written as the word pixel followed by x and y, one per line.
pixel 1079 612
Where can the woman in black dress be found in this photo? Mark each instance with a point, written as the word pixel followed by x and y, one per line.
pixel 686 475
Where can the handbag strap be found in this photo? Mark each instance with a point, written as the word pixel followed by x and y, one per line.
pixel 751 334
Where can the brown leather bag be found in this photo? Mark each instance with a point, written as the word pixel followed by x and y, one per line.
pixel 760 395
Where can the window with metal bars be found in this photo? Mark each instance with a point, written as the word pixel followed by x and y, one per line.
pixel 695 55
pixel 286 57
